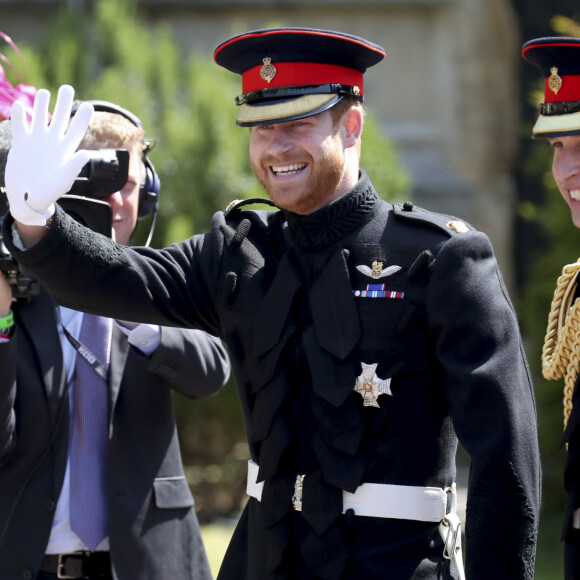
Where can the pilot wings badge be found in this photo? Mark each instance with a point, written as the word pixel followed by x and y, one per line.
pixel 376 271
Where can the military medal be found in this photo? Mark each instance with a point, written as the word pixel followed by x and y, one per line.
pixel 555 81
pixel 378 291
pixel 370 386
pixel 268 70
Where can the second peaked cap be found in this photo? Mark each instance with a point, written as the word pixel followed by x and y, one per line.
pixel 558 59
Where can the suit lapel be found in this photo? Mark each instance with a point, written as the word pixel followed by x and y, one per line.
pixel 119 352
pixel 39 317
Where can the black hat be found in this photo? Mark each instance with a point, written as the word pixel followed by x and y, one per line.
pixel 558 59
pixel 292 73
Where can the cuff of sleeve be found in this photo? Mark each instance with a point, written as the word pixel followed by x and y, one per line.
pixel 145 337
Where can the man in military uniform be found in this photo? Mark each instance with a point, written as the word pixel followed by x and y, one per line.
pixel 366 338
pixel 559 121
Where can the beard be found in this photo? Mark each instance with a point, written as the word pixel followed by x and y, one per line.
pixel 319 190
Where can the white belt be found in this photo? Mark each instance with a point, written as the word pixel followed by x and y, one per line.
pixel 379 500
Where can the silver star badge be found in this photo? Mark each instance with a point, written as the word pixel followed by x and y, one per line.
pixel 370 386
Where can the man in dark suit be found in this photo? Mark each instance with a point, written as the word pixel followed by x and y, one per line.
pixel 366 338
pixel 149 529
pixel 558 59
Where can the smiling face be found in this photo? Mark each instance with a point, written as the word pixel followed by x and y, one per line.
pixel 566 171
pixel 306 164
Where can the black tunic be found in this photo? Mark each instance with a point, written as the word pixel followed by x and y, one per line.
pixel 287 295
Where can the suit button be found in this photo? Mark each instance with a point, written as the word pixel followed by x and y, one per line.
pixel 50 505
pixel 27 575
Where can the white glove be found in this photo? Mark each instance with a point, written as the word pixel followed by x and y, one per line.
pixel 43 161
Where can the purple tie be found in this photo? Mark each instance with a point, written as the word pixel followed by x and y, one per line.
pixel 88 476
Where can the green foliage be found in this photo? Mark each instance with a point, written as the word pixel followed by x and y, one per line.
pixel 186 105
pixel 380 161
pixel 565 26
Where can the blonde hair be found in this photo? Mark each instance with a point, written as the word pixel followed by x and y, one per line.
pixel 113 131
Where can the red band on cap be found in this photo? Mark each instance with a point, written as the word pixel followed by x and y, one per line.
pixel 292 74
pixel 569 91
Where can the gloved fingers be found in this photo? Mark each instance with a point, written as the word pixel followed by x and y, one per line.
pixel 78 127
pixel 73 167
pixel 62 109
pixel 43 161
pixel 39 120
pixel 18 122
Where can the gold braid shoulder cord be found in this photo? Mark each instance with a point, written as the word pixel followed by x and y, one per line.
pixel 560 354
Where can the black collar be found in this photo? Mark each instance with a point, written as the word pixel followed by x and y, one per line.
pixel 333 222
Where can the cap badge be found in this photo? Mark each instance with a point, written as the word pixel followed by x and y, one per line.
pixel 370 386
pixel 554 82
pixel 268 70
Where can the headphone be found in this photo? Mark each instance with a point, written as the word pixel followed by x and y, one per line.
pixel 150 182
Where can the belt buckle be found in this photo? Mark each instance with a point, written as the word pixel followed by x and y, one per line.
pixel 60 573
pixel 298 492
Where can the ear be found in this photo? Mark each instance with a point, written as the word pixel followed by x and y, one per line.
pixel 351 126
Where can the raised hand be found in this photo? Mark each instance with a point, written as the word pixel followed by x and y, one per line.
pixel 43 160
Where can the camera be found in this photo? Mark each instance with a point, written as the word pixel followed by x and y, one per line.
pixel 105 173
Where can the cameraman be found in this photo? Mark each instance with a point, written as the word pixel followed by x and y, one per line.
pixel 146 526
